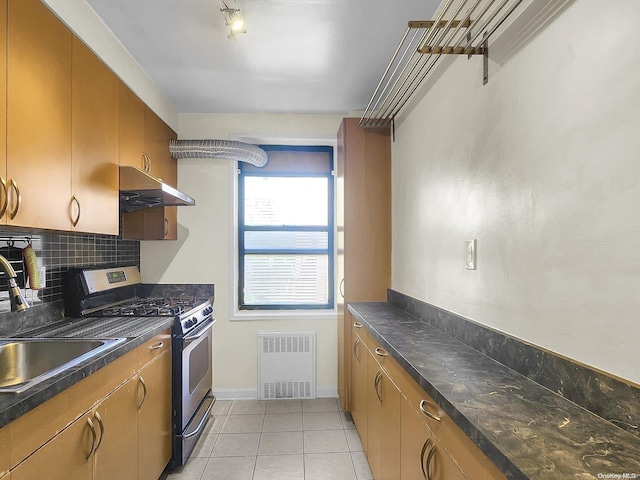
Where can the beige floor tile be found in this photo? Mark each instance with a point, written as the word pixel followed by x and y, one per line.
pixel 280 443
pixel 192 470
pixel 279 467
pixel 248 407
pixel 284 406
pixel 353 439
pixel 328 466
pixel 321 421
pixel 221 407
pixel 363 472
pixel 236 445
pixel 320 405
pixel 243 424
pixel 325 441
pixel 204 446
pixel 282 422
pixel 214 424
pixel 230 468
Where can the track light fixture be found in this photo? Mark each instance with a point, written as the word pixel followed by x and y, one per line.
pixel 232 17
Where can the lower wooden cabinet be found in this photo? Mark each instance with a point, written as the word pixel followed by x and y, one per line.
pixel 383 430
pixel 123 433
pixel 154 417
pixel 359 359
pixel 422 455
pixel 66 457
pixel 404 433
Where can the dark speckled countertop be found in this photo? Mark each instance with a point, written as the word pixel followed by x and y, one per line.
pixel 528 431
pixel 135 330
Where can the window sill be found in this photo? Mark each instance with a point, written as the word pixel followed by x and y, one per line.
pixel 259 315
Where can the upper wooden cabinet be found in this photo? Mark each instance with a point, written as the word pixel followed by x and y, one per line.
pixel 3 114
pixel 131 132
pixel 157 138
pixel 364 229
pixel 94 149
pixel 38 117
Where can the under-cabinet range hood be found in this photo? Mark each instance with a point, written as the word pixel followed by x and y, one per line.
pixel 140 190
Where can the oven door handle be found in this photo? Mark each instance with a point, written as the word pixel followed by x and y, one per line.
pixel 196 335
pixel 205 417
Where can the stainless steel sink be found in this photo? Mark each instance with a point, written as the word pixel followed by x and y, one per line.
pixel 25 362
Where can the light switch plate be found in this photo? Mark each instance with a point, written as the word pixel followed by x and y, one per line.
pixel 470 260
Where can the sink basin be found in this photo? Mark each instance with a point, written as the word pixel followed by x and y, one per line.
pixel 25 362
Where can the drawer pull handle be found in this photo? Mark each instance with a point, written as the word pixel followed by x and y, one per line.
pixel 341 288
pixel 428 451
pixel 376 385
pixel 93 438
pixel 380 352
pixel 101 425
pixel 5 195
pixel 156 346
pixel 355 349
pixel 144 392
pixel 427 412
pixel 357 324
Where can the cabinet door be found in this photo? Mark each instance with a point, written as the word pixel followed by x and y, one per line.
pixel 154 418
pixel 359 387
pixel 422 455
pixel 117 454
pixel 94 206
pixel 131 112
pixel 3 113
pixel 383 412
pixel 157 223
pixel 157 138
pixel 38 117
pixel 66 457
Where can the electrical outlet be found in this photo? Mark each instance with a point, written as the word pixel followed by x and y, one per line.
pixel 470 259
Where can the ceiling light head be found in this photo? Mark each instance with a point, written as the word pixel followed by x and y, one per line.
pixel 232 17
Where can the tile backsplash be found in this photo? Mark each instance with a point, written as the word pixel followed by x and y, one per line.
pixel 56 253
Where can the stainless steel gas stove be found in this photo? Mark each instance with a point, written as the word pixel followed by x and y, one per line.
pixel 115 292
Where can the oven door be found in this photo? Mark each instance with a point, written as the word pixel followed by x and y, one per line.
pixel 197 371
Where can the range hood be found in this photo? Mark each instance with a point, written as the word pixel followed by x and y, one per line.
pixel 140 190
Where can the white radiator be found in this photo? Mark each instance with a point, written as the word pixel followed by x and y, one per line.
pixel 286 365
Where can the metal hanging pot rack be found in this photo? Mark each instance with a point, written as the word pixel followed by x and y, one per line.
pixel 461 27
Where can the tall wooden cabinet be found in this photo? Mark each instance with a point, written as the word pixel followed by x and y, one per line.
pixel 4 199
pixel 364 230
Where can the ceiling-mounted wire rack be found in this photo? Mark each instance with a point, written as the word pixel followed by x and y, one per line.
pixel 461 27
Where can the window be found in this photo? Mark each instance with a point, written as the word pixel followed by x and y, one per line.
pixel 286 230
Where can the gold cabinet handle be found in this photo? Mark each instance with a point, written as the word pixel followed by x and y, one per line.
pixel 355 349
pixel 75 200
pixel 93 438
pixel 156 346
pixel 380 352
pixel 146 163
pixel 101 425
pixel 376 385
pixel 357 324
pixel 167 226
pixel 428 451
pixel 16 189
pixel 341 288
pixel 144 392
pixel 433 416
pixel 5 197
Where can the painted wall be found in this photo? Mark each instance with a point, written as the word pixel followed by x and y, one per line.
pixel 202 253
pixel 541 167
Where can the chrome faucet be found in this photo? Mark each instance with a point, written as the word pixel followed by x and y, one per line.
pixel 18 302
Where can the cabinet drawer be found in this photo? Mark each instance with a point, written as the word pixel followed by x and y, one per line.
pixel 154 347
pixel 38 426
pixel 4 450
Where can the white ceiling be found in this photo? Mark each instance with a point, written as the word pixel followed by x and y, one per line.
pixel 298 56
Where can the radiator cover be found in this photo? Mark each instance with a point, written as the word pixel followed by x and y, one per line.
pixel 286 365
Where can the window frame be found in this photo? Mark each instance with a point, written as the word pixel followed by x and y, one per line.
pixel 329 229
